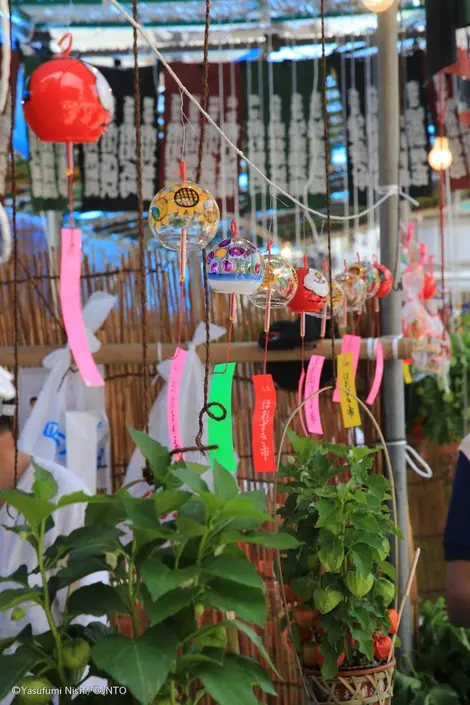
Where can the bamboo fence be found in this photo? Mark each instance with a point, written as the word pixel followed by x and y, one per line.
pixel 40 324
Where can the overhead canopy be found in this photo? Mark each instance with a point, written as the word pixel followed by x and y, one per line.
pixel 185 13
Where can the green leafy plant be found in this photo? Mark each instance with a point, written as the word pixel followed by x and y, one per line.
pixel 441 416
pixel 439 674
pixel 163 580
pixel 339 581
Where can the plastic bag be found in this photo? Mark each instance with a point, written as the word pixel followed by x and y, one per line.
pixel 44 433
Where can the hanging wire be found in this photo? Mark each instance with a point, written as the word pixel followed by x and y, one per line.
pixel 206 409
pixel 140 217
pixel 327 179
pixel 16 327
pixel 234 103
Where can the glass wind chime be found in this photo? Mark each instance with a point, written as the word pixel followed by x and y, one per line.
pixel 67 101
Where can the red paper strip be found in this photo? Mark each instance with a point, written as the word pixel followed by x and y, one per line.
pixel 350 344
pixel 312 385
pixel 264 458
pixel 173 412
pixel 71 305
pixel 379 373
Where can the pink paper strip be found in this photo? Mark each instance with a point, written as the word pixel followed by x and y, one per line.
pixel 379 373
pixel 173 412
pixel 350 344
pixel 300 396
pixel 312 385
pixel 71 306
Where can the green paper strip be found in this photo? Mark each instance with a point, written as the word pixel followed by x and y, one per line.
pixel 221 432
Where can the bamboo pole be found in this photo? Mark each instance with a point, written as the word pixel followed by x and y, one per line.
pixel 131 353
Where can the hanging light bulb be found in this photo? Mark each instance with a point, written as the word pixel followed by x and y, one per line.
pixel 377 5
pixel 440 156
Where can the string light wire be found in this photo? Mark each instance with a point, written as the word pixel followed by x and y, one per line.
pixel 389 191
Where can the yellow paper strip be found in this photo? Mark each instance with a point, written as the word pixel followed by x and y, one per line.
pixel 348 403
pixel 407 373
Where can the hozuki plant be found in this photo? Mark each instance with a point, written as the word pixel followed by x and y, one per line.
pixel 339 581
pixel 168 579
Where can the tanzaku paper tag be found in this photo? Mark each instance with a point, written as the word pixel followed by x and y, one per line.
pixel 221 432
pixel 264 459
pixel 350 344
pixel 71 305
pixel 379 373
pixel 173 412
pixel 346 382
pixel 312 385
pixel 407 376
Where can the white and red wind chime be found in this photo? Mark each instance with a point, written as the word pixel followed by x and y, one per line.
pixel 70 102
pixel 67 101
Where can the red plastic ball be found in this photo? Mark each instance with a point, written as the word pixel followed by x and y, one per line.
pixel 386 281
pixel 429 287
pixel 311 295
pixel 68 101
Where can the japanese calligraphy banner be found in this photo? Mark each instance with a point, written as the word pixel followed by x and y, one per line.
pixel 264 457
pixel 47 164
pixel 362 127
pixel 457 131
pixel 284 134
pixel 109 168
pixel 182 127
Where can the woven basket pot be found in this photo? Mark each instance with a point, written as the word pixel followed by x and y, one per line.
pixel 367 686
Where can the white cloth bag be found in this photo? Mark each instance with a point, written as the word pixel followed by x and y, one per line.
pixel 44 433
pixel 191 402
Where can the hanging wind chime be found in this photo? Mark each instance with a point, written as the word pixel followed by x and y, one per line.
pixel 183 217
pixel 68 101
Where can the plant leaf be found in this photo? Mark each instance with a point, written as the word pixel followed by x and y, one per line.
pixel 191 478
pixel 45 485
pixel 157 456
pixel 169 501
pixel 254 637
pixel 256 673
pixel 169 604
pixel 96 599
pixel 235 568
pixel 362 558
pixel 388 569
pixel 160 580
pixel 275 539
pixel 13 668
pixel 247 603
pixel 32 508
pixel 225 484
pixel 141 665
pixel 365 642
pixel 228 684
pixel 12 598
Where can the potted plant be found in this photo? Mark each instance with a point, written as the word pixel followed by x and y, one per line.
pixel 439 672
pixel 173 573
pixel 340 584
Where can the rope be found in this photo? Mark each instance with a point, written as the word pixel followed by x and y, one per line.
pixel 241 154
pixel 326 138
pixel 16 328
pixel 140 216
